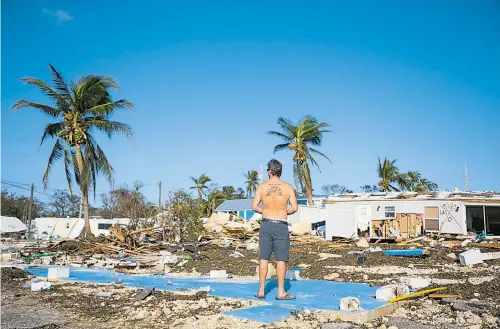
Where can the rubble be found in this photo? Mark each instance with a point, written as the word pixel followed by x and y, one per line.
pixel 40 285
pixel 362 243
pixel 389 292
pixel 351 304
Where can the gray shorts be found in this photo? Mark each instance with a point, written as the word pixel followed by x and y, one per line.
pixel 274 237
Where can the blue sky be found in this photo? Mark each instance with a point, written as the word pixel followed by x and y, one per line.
pixel 417 81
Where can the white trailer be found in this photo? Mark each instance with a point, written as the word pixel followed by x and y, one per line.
pixel 411 215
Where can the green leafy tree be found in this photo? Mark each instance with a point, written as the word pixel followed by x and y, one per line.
pixel 127 202
pixel 200 184
pixel 413 181
pixel 389 175
pixel 13 205
pixel 81 108
pixel 65 204
pixel 300 139
pixel 182 213
pixel 330 189
pixel 251 182
pixel 369 188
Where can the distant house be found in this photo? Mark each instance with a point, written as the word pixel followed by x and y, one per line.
pixel 59 228
pixel 408 214
pixel 239 207
pixel 11 225
pixel 317 200
pixel 243 208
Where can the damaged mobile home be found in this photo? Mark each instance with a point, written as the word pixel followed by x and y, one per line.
pixel 60 228
pixel 393 215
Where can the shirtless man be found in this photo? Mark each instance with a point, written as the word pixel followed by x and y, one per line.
pixel 274 235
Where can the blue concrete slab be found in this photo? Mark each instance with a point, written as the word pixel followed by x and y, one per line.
pixel 311 294
pixel 263 314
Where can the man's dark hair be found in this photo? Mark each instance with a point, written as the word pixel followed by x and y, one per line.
pixel 274 167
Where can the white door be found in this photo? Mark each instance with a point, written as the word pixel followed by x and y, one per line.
pixel 363 215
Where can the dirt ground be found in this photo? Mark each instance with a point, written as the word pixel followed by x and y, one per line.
pixel 78 306
pixel 380 269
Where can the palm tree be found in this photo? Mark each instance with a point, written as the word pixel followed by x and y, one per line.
pixel 252 181
pixel 389 175
pixel 199 184
pixel 412 179
pixel 425 185
pixel 299 139
pixel 228 192
pixel 81 108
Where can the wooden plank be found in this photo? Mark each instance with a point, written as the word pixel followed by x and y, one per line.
pixel 490 255
pixel 485 245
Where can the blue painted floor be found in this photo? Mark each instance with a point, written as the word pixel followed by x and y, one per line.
pixel 311 294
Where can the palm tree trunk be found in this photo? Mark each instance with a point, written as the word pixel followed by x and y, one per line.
pixel 83 191
pixel 308 184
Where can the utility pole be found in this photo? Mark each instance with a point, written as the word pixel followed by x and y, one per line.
pixel 261 174
pixel 159 195
pixel 25 213
pixel 30 209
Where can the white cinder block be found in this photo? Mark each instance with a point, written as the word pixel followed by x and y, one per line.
pixel 218 274
pixel 471 257
pixel 58 273
pixel 42 285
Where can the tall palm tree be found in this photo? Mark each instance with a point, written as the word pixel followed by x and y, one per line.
pixel 252 181
pixel 425 185
pixel 411 180
pixel 299 139
pixel 389 175
pixel 200 184
pixel 81 108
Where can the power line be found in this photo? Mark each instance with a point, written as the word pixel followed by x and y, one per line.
pixel 27 189
pixel 67 189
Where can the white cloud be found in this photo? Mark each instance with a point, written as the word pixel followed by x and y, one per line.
pixel 61 15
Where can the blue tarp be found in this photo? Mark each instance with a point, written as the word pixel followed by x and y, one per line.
pixel 407 253
pixel 311 294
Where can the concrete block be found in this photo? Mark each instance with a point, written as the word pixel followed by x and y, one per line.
pixel 56 273
pixel 385 293
pixel 41 285
pixel 218 274
pixel 419 283
pixel 350 304
pixel 471 257
pixel 292 275
pixel 252 246
pixel 46 260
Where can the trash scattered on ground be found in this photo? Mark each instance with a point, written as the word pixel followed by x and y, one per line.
pixel 144 293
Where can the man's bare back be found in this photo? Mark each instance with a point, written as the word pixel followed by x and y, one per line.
pixel 275 195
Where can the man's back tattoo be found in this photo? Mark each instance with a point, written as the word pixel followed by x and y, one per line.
pixel 274 189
